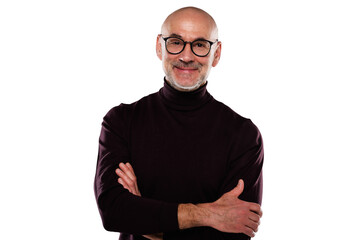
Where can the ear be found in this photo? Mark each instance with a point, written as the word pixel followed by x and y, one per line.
pixel 217 54
pixel 159 47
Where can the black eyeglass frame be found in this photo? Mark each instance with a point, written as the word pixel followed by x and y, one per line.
pixel 191 47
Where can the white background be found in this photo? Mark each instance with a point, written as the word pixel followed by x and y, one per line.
pixel 290 66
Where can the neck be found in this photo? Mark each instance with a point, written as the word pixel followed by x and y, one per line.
pixel 184 101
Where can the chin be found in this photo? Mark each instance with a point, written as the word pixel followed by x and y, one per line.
pixel 186 86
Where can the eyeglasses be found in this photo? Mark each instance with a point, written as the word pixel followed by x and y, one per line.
pixel 200 47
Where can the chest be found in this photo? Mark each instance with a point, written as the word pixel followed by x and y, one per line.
pixel 179 159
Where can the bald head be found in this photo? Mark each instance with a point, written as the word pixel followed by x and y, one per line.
pixel 192 19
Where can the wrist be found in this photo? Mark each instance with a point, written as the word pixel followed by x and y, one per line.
pixel 205 214
pixel 191 215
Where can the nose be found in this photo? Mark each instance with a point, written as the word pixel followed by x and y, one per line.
pixel 187 55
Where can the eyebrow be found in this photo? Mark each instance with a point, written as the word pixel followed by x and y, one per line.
pixel 179 36
pixel 175 35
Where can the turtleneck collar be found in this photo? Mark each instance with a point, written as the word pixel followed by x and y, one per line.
pixel 185 101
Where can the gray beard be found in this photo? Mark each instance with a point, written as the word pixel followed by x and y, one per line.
pixel 177 86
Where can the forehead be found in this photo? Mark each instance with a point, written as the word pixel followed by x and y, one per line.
pixel 190 26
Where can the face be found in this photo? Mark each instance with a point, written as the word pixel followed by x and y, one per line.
pixel 186 71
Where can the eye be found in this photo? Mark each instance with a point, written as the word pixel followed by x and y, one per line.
pixel 174 41
pixel 201 44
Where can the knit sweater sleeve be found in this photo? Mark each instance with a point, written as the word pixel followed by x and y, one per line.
pixel 245 162
pixel 120 210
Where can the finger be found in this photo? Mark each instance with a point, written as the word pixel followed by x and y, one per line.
pixel 254 217
pixel 126 174
pixel 248 231
pixel 124 184
pixel 238 189
pixel 241 186
pixel 128 181
pixel 130 168
pixel 127 171
pixel 260 212
pixel 118 172
pixel 254 207
pixel 252 225
pixel 130 173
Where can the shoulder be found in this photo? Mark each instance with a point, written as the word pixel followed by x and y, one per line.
pixel 127 109
pixel 121 116
pixel 237 125
pixel 229 115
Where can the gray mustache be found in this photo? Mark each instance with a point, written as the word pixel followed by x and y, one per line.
pixel 186 65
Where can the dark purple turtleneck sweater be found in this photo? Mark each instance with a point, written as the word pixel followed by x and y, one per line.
pixel 185 147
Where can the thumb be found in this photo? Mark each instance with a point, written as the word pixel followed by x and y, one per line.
pixel 238 189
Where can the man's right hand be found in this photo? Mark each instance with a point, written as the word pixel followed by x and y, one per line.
pixel 127 179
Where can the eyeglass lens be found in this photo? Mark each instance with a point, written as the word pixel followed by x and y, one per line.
pixel 199 47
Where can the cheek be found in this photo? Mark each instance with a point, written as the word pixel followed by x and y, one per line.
pixel 168 60
pixel 205 65
pixel 167 64
pixel 204 60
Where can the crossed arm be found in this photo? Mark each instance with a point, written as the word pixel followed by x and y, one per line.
pixel 227 214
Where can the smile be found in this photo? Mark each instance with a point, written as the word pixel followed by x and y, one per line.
pixel 182 69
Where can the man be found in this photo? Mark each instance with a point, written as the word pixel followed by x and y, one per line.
pixel 180 153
